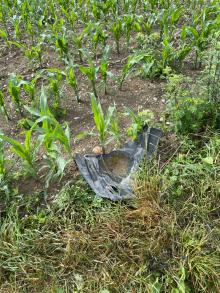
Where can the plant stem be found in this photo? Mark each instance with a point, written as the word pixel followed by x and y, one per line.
pixel 94 88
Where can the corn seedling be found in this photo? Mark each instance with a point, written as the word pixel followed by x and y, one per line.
pixel 30 87
pixel 31 52
pixel 102 121
pixel 14 88
pixel 167 50
pixel 2 106
pixel 104 68
pixel 54 85
pixel 116 29
pixel 91 72
pixel 62 47
pixel 16 24
pixel 72 81
pixel 77 40
pixel 98 36
pixel 105 7
pixel 53 137
pixel 175 15
pixel 26 151
pixel 133 60
pixel 128 22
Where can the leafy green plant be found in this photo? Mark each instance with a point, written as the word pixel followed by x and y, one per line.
pixel 139 120
pixel 2 106
pixel 133 61
pixel 53 137
pixel 30 87
pixel 77 40
pixel 99 36
pixel 25 151
pixel 129 23
pixel 91 72
pixel 31 52
pixel 55 88
pixel 14 88
pixel 16 24
pixel 102 121
pixel 167 50
pixel 72 81
pixel 117 30
pixel 189 110
pixel 62 47
pixel 104 68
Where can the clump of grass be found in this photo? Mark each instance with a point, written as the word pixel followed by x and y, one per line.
pixel 164 240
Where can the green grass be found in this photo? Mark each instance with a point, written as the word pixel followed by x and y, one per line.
pixel 167 240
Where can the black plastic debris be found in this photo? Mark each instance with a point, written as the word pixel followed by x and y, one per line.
pixel 110 175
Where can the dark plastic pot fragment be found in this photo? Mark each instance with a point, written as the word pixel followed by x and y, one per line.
pixel 110 175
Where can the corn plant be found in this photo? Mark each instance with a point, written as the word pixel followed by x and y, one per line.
pixel 30 87
pixel 54 85
pixel 133 60
pixel 198 43
pixel 200 37
pixel 175 15
pixel 115 131
pixel 2 106
pixel 104 68
pixel 3 20
pixel 116 29
pixel 25 151
pixel 128 21
pixel 31 52
pixel 16 24
pixel 56 142
pixel 98 36
pixel 14 88
pixel 167 50
pixel 62 47
pixel 77 40
pixel 53 137
pixel 72 81
pixel 105 7
pixel 4 35
pixel 96 11
pixel 91 72
pixel 30 30
pixel 71 15
pixel 102 121
pixel 35 52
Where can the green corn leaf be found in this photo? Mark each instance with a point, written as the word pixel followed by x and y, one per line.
pixel 98 116
pixel 194 32
pixel 17 148
pixel 84 70
pixel 33 111
pixel 175 15
pixel 27 142
pixel 3 34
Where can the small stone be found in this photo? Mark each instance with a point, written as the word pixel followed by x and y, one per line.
pixel 97 150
